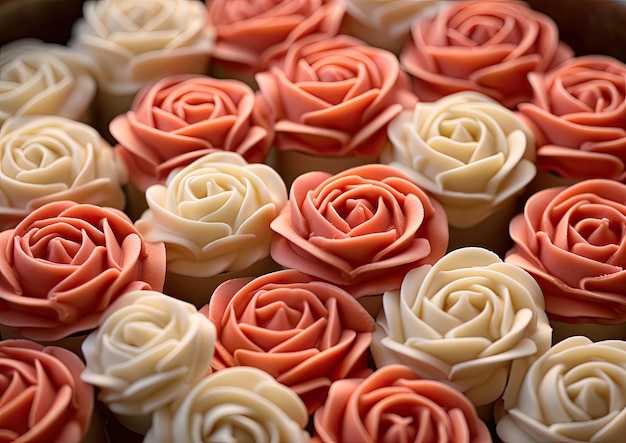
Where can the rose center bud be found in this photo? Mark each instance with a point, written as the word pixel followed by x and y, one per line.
pixel 138 15
pixel 462 129
pixel 597 95
pixel 599 231
pixel 399 425
pixel 592 395
pixel 477 30
pixel 334 73
pixel 358 211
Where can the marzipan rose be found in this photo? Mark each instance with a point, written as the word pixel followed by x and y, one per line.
pixel 394 405
pixel 572 240
pixel 241 404
pixel 470 320
pixel 334 96
pixel 148 349
pixel 578 112
pixel 362 229
pixel 468 151
pixel 385 24
pixel 43 399
pixel 484 46
pixel 65 263
pixel 181 118
pixel 214 215
pixel 574 393
pixel 250 33
pixel 44 78
pixel 135 42
pixel 50 158
pixel 303 332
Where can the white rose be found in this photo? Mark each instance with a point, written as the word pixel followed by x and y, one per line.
pixel 471 153
pixel 148 350
pixel 136 42
pixel 385 23
pixel 214 215
pixel 240 403
pixel 48 158
pixel 576 392
pixel 44 78
pixel 469 320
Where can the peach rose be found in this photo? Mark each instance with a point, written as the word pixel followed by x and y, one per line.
pixel 251 33
pixel 44 78
pixel 469 320
pixel 304 332
pixel 578 112
pixel 239 404
pixel 483 46
pixel 572 241
pixel 574 393
pixel 334 96
pixel 394 404
pixel 133 43
pixel 43 399
pixel 181 118
pixel 362 229
pixel 48 158
pixel 65 263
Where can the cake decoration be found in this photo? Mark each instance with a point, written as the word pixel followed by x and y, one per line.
pixel 572 393
pixel 147 351
pixel 470 320
pixel 132 43
pixel 571 240
pixel 305 333
pixel 49 158
pixel 214 218
pixel 362 229
pixel 578 114
pixel 65 263
pixel 44 78
pixel 183 117
pixel 473 155
pixel 395 404
pixel 482 46
pixel 332 97
pixel 250 34
pixel 384 24
pixel 241 404
pixel 43 398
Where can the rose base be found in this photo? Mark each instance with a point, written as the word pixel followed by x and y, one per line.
pixel 198 290
pixel 72 343
pixel 291 164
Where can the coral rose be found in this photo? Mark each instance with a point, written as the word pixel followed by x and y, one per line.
pixel 362 229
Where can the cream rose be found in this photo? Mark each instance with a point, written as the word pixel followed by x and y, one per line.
pixel 384 23
pixel 148 350
pixel 574 393
pixel 136 42
pixel 49 158
pixel 468 151
pixel 214 215
pixel 239 404
pixel 469 320
pixel 44 78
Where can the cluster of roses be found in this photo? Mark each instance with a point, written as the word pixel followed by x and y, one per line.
pixel 385 308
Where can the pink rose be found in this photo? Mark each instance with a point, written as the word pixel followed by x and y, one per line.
pixel 305 333
pixel 251 33
pixel 43 399
pixel 65 263
pixel 483 46
pixel 362 229
pixel 578 113
pixel 334 96
pixel 572 241
pixel 395 405
pixel 183 117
